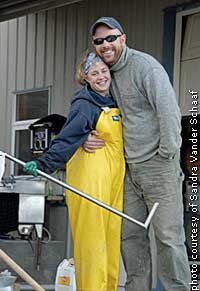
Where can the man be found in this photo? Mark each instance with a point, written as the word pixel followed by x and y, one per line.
pixel 151 126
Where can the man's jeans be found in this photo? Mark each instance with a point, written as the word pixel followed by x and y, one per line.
pixel 155 180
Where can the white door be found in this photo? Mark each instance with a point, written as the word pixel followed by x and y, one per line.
pixel 190 64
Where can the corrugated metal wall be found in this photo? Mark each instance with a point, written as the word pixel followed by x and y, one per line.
pixel 42 49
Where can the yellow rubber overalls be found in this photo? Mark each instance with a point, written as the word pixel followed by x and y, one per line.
pixel 96 232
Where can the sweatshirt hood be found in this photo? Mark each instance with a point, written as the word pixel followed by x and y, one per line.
pixel 91 96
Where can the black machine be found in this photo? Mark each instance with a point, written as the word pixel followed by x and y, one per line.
pixel 44 130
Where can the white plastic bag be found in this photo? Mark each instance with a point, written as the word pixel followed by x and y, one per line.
pixel 2 164
pixel 65 276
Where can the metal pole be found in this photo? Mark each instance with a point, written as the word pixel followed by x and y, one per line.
pixel 86 196
pixel 151 213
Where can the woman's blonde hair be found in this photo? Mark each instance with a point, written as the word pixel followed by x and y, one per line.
pixel 80 74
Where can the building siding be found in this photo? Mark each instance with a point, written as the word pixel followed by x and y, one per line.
pixel 42 49
pixel 3 80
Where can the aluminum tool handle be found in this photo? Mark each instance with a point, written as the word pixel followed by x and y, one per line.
pixel 88 197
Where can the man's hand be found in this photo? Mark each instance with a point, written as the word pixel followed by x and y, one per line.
pixel 93 142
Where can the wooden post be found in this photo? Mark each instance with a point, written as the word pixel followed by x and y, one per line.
pixel 25 276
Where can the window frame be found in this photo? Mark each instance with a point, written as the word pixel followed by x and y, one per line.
pixel 24 124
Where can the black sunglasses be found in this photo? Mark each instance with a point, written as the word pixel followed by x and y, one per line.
pixel 109 38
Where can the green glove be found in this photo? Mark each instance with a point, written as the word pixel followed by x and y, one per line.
pixel 31 167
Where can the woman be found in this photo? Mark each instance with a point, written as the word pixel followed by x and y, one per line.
pixel 95 231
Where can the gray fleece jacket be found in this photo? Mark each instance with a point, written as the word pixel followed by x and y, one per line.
pixel 150 113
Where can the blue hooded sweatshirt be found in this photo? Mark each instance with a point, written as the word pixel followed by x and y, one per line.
pixel 86 107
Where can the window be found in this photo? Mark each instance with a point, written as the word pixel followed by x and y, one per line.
pixel 29 106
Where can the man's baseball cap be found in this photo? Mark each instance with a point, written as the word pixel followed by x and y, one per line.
pixel 109 21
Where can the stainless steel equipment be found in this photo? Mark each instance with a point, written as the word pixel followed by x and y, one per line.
pixel 31 203
pixel 31 206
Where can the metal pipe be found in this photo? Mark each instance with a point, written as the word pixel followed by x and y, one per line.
pixel 151 213
pixel 88 197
